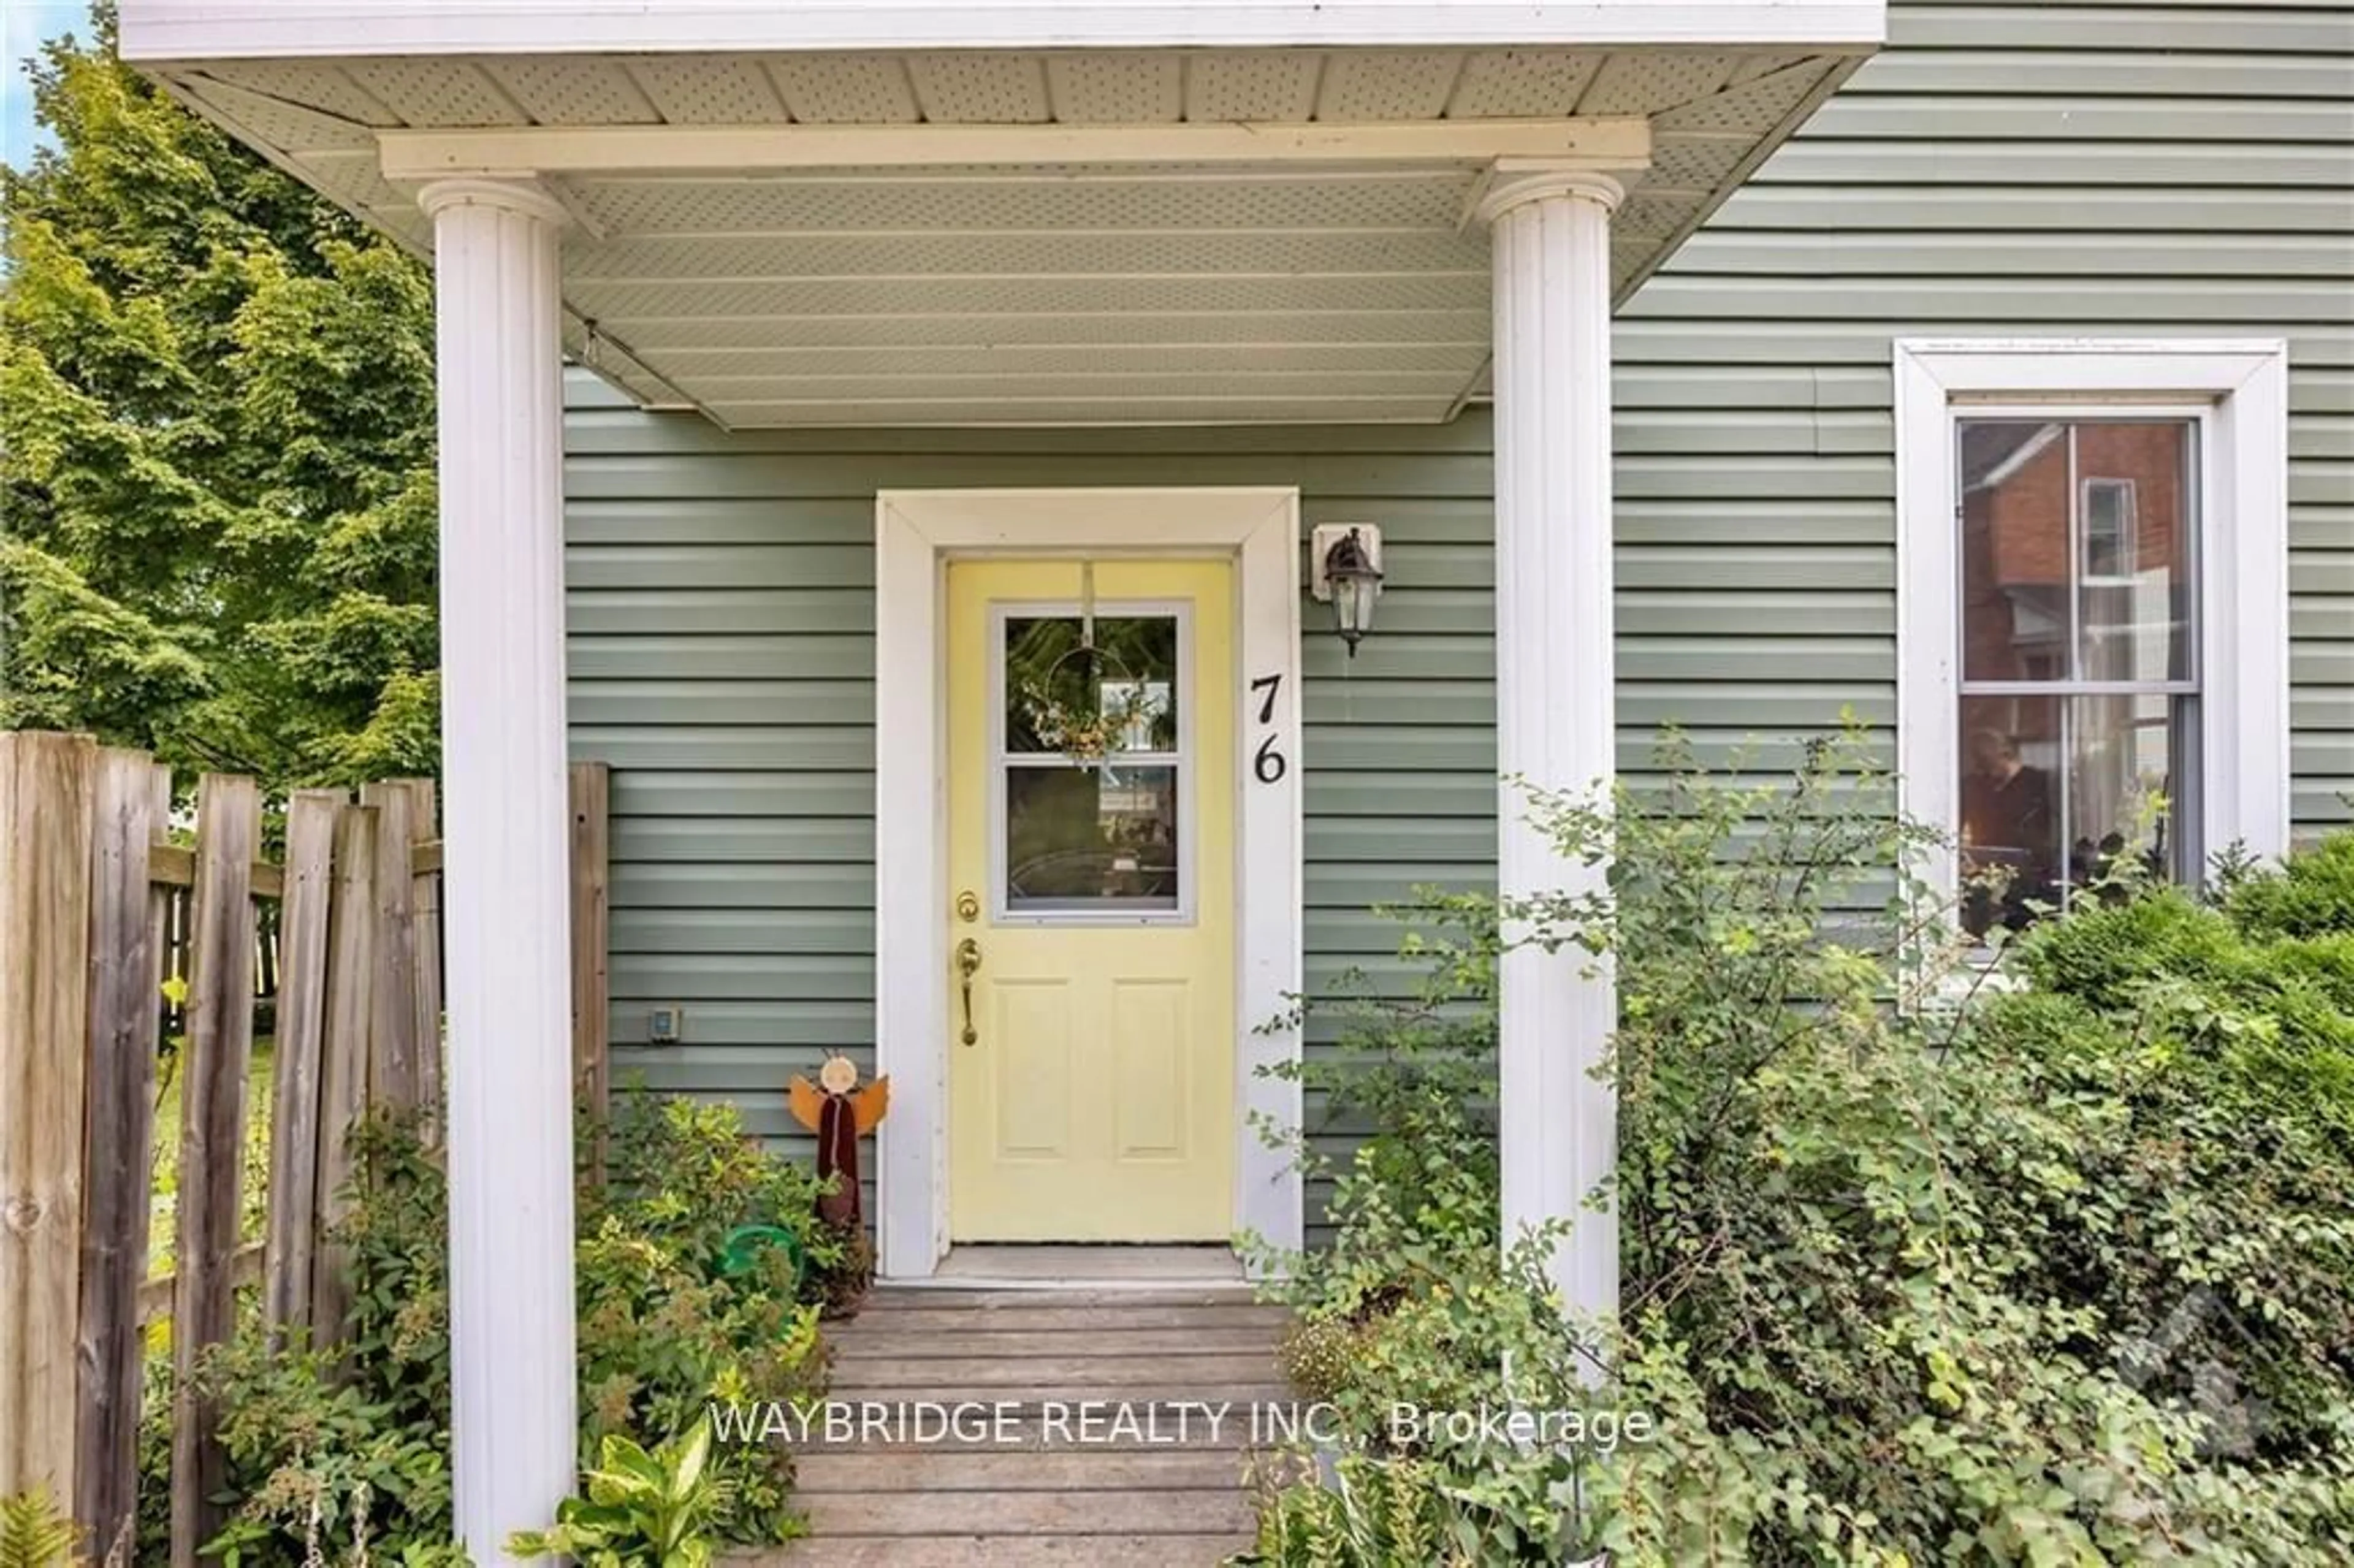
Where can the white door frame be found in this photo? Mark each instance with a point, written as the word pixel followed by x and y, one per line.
pixel 916 533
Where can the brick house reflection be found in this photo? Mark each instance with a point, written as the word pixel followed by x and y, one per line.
pixel 2075 569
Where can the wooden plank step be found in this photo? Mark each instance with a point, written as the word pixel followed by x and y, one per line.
pixel 1031 1437
pixel 1040 1317
pixel 1000 1551
pixel 976 1375
pixel 1075 1513
pixel 889 1298
pixel 939 1469
pixel 856 1344
pixel 1027 1404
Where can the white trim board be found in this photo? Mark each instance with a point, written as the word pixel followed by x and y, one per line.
pixel 1606 144
pixel 2239 391
pixel 288 29
pixel 916 533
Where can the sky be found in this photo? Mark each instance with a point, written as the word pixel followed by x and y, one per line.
pixel 23 24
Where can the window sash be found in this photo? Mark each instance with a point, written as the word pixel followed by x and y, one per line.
pixel 2237 390
pixel 2058 688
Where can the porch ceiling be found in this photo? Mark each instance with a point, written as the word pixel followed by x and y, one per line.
pixel 1042 290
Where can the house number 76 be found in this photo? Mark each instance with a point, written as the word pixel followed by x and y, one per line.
pixel 1268 765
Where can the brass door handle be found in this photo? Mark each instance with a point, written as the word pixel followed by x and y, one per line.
pixel 968 960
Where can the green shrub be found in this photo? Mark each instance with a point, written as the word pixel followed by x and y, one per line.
pixel 2061 1274
pixel 2311 895
pixel 1319 1355
pixel 327 1451
pixel 1378 1514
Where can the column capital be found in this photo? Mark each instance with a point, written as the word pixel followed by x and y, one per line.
pixel 1512 181
pixel 527 196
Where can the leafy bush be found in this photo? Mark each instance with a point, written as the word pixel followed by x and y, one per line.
pixel 1375 1512
pixel 2311 895
pixel 2059 1273
pixel 327 1450
pixel 661 1332
pixel 643 1510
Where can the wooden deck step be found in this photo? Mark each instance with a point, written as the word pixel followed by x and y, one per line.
pixel 927 1297
pixel 1039 1395
pixel 1035 1316
pixel 1189 1468
pixel 855 1342
pixel 1026 1430
pixel 1084 1511
pixel 1078 1367
pixel 1164 1487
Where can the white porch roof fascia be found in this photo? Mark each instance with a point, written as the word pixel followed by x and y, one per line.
pixel 280 30
pixel 1108 215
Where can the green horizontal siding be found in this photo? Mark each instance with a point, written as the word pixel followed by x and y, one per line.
pixel 722 659
pixel 2132 169
pixel 2097 170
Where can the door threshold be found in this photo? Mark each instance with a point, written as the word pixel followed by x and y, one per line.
pixel 1002 1265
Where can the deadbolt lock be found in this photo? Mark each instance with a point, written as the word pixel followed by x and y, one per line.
pixel 968 906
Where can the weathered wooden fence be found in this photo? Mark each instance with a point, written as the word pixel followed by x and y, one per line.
pixel 89 882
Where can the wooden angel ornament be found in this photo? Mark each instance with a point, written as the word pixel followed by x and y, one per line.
pixel 840 1113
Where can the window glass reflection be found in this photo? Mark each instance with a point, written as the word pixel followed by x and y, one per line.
pixel 1094 838
pixel 2063 796
pixel 2078 632
pixel 1116 693
pixel 2075 550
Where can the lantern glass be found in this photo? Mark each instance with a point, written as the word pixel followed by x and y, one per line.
pixel 1352 583
pixel 1352 607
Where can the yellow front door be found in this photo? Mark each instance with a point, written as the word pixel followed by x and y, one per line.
pixel 1090 904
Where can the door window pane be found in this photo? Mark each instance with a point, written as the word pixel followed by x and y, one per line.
pixel 1100 837
pixel 1065 695
pixel 1089 762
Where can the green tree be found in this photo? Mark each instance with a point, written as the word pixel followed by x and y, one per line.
pixel 216 448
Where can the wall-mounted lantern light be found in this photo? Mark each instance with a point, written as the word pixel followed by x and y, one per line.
pixel 1348 575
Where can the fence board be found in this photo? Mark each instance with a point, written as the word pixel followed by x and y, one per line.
pixel 213 1070
pixel 45 782
pixel 301 1021
pixel 133 807
pixel 591 796
pixel 344 1051
pixel 392 1030
pixel 424 918
pixel 95 911
pixel 175 865
pixel 155 1295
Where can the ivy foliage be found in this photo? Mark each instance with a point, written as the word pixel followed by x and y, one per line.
pixel 216 448
pixel 1922 1261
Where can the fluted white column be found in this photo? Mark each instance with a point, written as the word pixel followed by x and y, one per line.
pixel 504 897
pixel 1554 686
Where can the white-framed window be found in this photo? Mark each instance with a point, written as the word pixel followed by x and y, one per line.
pixel 2105 523
pixel 2091 608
